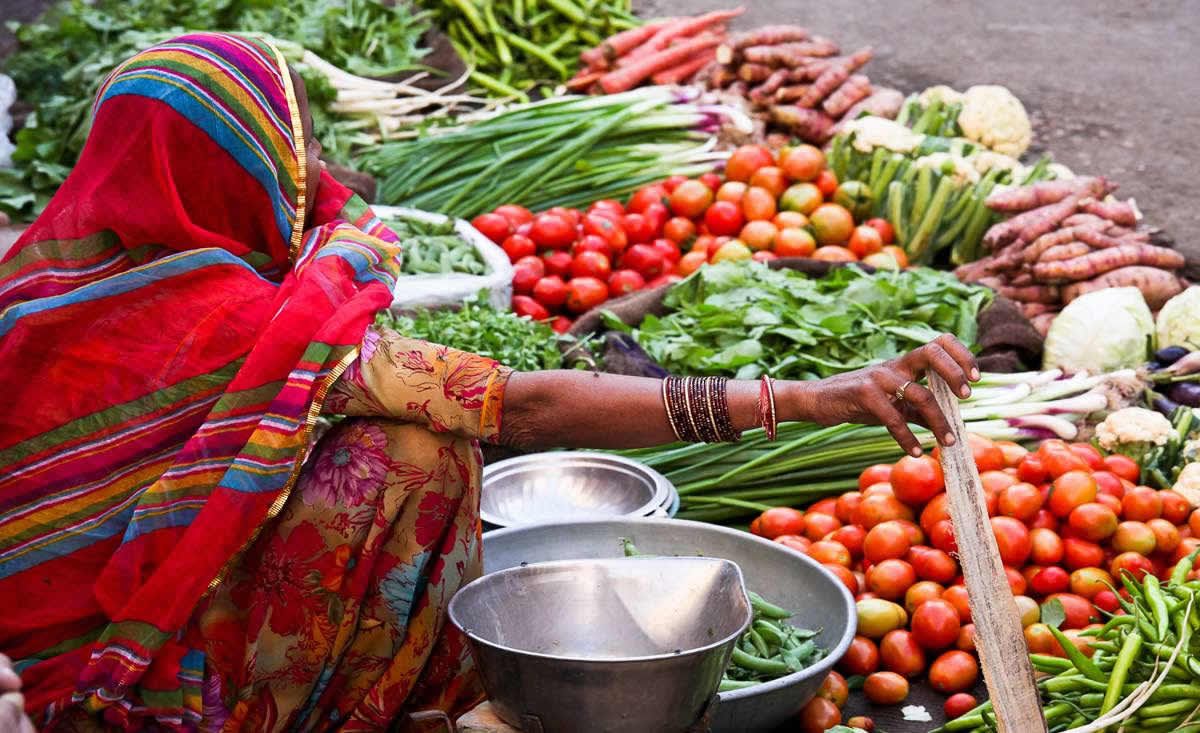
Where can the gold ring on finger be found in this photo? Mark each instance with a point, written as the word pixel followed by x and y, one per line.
pixel 900 391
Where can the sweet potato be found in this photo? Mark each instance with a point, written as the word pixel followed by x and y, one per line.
pixel 1119 212
pixel 809 125
pixel 833 77
pixel 1131 237
pixel 1067 251
pixel 881 103
pixel 1041 322
pixel 1047 192
pixel 790 93
pixel 1157 285
pixel 854 90
pixel 1098 239
pixel 790 54
pixel 1034 251
pixel 770 35
pixel 1030 225
pixel 763 93
pixel 1099 262
pixel 721 77
pixel 1077 219
pixel 1021 279
pixel 754 73
pixel 1031 294
pixel 1031 310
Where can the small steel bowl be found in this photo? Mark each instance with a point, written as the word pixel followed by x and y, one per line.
pixel 566 486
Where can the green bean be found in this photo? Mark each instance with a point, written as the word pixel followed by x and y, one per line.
pixel 769 610
pixel 629 548
pixel 759 645
pixel 497 86
pixel 569 9
pixel 1114 622
pixel 535 51
pixel 1146 723
pixel 728 685
pixel 467 8
pixel 1129 652
pixel 758 664
pixel 1167 708
pixel 769 632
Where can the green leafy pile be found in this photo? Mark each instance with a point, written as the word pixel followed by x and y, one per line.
pixel 515 341
pixel 743 319
pixel 64 57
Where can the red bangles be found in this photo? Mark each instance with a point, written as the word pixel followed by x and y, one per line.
pixel 698 409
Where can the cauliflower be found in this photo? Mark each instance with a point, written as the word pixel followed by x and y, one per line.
pixel 879 132
pixel 993 117
pixel 986 160
pixel 1188 483
pixel 940 93
pixel 959 168
pixel 1134 432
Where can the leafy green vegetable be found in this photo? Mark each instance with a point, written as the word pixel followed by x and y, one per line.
pixel 514 341
pixel 743 319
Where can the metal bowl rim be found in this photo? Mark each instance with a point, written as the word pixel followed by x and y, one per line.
pixel 662 486
pixel 617 660
pixel 821 666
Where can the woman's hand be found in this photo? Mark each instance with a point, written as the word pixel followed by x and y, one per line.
pixel 12 702
pixel 868 396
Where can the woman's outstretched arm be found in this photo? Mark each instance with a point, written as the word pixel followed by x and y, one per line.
pixel 578 409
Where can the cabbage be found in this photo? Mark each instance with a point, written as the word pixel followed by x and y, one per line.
pixel 1100 332
pixel 1179 321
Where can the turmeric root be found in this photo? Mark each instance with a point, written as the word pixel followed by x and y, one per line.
pixel 790 54
pixel 1157 286
pixel 807 124
pixel 1067 251
pixel 1046 192
pixel 1119 212
pixel 1099 262
pixel 770 35
pixel 854 90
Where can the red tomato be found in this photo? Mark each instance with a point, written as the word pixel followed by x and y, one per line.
pixel 880 472
pixel 827 505
pixel 758 204
pixel 885 688
pixel 1060 459
pixel 890 579
pixel 1131 536
pixel 899 652
pixel 712 180
pixel 884 227
pixel 1088 582
pixel 819 715
pixel 1049 580
pixel 732 191
pixel 880 508
pixel 673 182
pixel 657 215
pixel 771 179
pixel 1071 489
pixel 958 705
pixel 884 541
pixel 1089 454
pixel 915 535
pixel 1013 539
pixel 843 574
pixel 846 505
pixel 1175 508
pixel 797 542
pixel 1014 453
pixel 1141 503
pixel 667 278
pixel 826 183
pixel 1031 470
pixel 1079 553
pixel 935 624
pixel 638 228
pixel 818 525
pixel 988 456
pixel 861 657
pixel 518 246
pixel 1123 466
pixel 1106 600
pixel 1016 581
pixel 550 291
pixel 624 282
pixel 592 243
pixel 557 263
pixel 952 672
pixel 834 689
pixel 781 520
pixel 591 264
pixel 1078 610
pixel 997 481
pixel 917 480
pixel 669 250
pixel 933 564
pixel 1134 563
pixel 609 229
pixel 920 592
pixel 1044 519
pixel 1046 547
pixel 523 305
pixel 802 163
pixel 552 230
pixel 746 160
pixel 516 215
pixel 956 595
pixel 526 273
pixel 655 193
pixel 723 219
pixel 610 205
pixel 1040 640
pixel 1093 521
pixel 561 324
pixel 1021 501
pixel 679 230
pixel 645 260
pixel 830 552
pixel 942 537
pixel 585 293
pixel 880 488
pixel 935 511
pixel 865 240
pixel 691 199
pixel 493 226
pixel 1109 483
pixel 851 536
pixel 966 638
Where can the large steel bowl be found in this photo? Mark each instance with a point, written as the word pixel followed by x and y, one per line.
pixel 601 646
pixel 568 486
pixel 779 574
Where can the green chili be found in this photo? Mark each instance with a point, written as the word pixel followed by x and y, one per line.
pixel 1081 662
pixel 1129 652
pixel 1158 605
pixel 1183 567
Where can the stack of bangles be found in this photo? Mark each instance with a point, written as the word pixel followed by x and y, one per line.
pixel 698 409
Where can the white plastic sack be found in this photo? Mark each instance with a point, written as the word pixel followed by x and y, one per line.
pixel 8 95
pixel 436 291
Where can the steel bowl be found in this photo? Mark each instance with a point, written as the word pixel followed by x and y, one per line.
pixel 779 574
pixel 567 486
pixel 598 646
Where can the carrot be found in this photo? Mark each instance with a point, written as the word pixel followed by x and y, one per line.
pixel 790 54
pixel 686 69
pixel 1046 192
pixel 809 125
pixel 854 90
pixel 833 77
pixel 770 35
pixel 628 77
pixel 1099 262
pixel 680 29
pixel 762 93
pixel 1157 285
pixel 1030 225
pixel 754 72
pixel 1119 212
pixel 1064 252
pixel 583 80
pixel 616 46
pixel 790 93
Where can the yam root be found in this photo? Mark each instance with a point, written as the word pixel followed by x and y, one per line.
pixel 763 93
pixel 809 125
pixel 1034 251
pixel 1047 192
pixel 1032 310
pixel 1042 321
pixel 1132 237
pixel 853 91
pixel 770 35
pixel 1119 212
pixel 833 77
pixel 1047 294
pixel 882 103
pixel 754 73
pixel 1101 261
pixel 1157 285
pixel 790 93
pixel 1067 251
pixel 1077 219
pixel 790 54
pixel 1021 280
pixel 1099 239
pixel 1030 225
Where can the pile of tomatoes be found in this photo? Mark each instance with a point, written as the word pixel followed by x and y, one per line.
pixel 569 261
pixel 1068 523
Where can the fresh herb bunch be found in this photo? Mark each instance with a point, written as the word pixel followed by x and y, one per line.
pixel 514 341
pixel 743 319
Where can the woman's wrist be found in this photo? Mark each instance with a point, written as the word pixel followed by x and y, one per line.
pixel 796 401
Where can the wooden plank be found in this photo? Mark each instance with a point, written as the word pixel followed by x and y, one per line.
pixel 998 634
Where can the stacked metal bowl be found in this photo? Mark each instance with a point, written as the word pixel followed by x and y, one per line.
pixel 569 486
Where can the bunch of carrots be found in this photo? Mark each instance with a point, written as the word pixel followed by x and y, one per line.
pixel 1066 238
pixel 800 80
pixel 669 51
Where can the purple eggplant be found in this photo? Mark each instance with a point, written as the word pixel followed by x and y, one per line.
pixel 1185 393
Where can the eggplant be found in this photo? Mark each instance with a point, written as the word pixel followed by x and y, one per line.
pixel 1170 355
pixel 1155 366
pixel 1185 393
pixel 1165 406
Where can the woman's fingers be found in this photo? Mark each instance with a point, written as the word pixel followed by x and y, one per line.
pixel 9 680
pixel 887 414
pixel 12 713
pixel 961 354
pixel 923 402
pixel 934 357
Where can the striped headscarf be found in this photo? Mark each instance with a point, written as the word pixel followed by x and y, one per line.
pixel 168 330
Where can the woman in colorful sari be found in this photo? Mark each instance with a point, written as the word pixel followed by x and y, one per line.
pixel 176 551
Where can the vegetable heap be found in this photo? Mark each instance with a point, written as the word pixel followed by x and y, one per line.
pixel 771 648
pixel 743 319
pixel 1162 447
pixel 434 248
pixel 516 342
